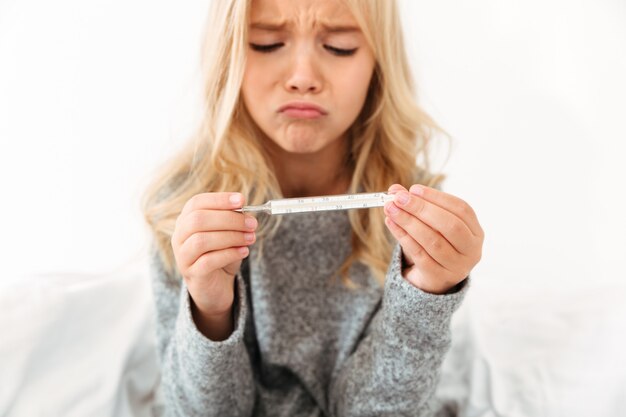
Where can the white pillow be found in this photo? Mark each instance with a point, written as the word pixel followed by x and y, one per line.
pixel 521 351
pixel 78 344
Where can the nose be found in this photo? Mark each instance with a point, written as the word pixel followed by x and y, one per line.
pixel 304 76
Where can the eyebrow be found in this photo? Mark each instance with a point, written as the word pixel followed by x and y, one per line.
pixel 277 27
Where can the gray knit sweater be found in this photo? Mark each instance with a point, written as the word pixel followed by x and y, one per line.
pixel 303 346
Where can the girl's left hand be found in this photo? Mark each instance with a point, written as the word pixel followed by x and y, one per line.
pixel 439 233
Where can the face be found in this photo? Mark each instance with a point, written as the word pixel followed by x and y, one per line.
pixel 307 72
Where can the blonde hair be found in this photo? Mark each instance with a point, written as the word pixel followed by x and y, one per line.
pixel 390 136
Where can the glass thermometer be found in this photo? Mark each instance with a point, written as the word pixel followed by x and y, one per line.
pixel 322 203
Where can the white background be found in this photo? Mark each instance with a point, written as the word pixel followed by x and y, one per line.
pixel 94 95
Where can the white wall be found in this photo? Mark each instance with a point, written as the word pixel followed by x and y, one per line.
pixel 93 95
pixel 534 94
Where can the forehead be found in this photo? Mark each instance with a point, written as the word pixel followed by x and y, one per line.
pixel 304 14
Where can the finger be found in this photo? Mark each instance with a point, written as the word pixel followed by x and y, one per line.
pixel 212 261
pixel 452 228
pixel 203 242
pixel 430 240
pixel 395 188
pixel 213 220
pixel 213 201
pixel 451 203
pixel 415 254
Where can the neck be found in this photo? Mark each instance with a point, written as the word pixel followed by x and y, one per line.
pixel 325 172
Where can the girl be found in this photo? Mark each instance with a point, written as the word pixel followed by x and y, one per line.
pixel 339 313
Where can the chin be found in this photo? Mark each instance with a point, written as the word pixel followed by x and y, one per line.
pixel 301 144
pixel 299 147
pixel 303 147
pixel 301 139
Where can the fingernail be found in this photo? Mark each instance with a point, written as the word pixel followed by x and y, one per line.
pixel 392 209
pixel 417 189
pixel 235 199
pixel 250 222
pixel 248 236
pixel 402 198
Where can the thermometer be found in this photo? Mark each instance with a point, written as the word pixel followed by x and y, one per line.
pixel 322 203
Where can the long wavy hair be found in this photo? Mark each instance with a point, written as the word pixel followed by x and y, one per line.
pixel 389 140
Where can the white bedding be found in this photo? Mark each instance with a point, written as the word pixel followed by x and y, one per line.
pixel 83 345
pixel 77 345
pixel 526 352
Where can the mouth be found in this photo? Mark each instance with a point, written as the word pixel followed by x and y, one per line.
pixel 302 110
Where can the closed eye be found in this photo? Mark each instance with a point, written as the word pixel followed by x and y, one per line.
pixel 341 52
pixel 266 48
pixel 274 46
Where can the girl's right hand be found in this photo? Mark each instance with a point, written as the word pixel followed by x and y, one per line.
pixel 210 240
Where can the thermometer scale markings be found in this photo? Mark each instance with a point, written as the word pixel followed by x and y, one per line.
pixel 323 203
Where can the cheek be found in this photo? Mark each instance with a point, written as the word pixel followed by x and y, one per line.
pixel 354 86
pixel 256 93
pixel 254 80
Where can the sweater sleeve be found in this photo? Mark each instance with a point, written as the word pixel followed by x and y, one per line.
pixel 395 368
pixel 199 376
